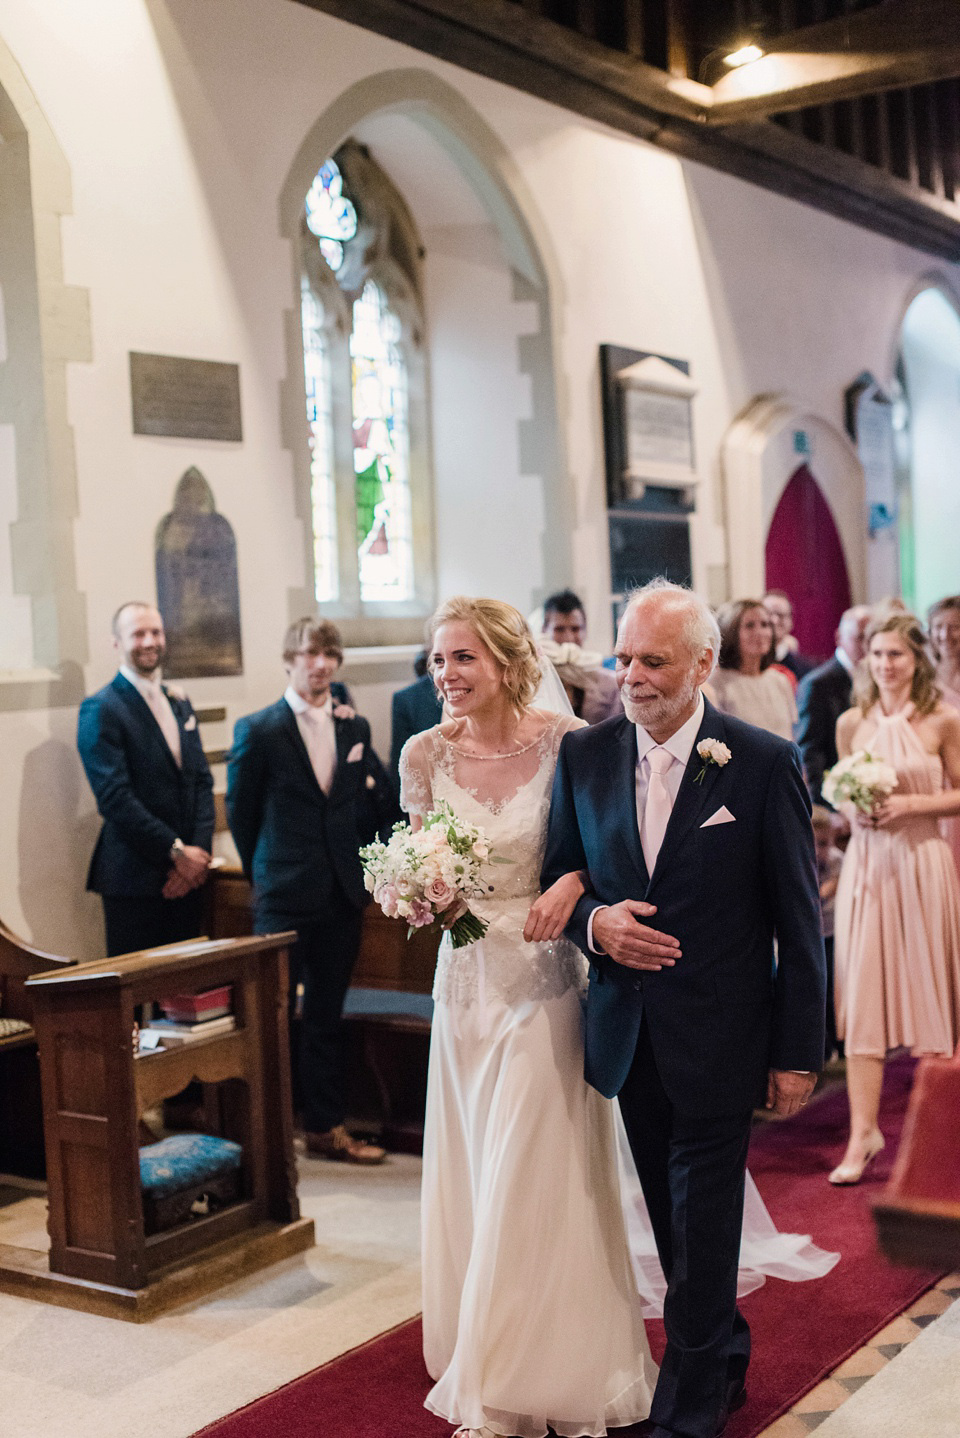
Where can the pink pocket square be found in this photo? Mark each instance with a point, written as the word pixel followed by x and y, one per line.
pixel 356 753
pixel 722 816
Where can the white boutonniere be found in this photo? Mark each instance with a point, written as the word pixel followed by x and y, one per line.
pixel 711 751
pixel 175 692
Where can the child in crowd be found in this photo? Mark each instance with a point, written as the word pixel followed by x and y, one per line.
pixel 829 860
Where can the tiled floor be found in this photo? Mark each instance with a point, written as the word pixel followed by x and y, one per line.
pixel 817 1405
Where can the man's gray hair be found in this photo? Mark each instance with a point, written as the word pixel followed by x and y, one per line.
pixel 700 628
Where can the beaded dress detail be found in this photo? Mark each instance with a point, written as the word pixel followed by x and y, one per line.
pixel 509 799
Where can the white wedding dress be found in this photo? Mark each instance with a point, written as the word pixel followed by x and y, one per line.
pixel 531 1309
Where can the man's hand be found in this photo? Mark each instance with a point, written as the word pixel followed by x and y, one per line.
pixel 191 864
pixel 788 1092
pixel 617 930
pixel 176 887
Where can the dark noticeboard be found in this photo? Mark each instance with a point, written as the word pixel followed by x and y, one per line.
pixel 185 398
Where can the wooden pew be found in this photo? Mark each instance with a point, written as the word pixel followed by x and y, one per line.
pixel 21 1109
pixel 386 1051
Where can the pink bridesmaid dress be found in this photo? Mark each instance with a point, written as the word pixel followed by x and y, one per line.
pixel 897 938
pixel 950 828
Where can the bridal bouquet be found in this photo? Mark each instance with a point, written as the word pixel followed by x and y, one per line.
pixel 861 779
pixel 422 876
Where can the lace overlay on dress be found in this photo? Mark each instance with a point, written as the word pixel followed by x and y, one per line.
pixel 509 798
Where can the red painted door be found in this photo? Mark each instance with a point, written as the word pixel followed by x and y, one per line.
pixel 804 557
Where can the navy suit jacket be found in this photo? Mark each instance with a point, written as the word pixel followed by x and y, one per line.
pixel 725 1013
pixel 297 844
pixel 415 708
pixel 823 695
pixel 145 800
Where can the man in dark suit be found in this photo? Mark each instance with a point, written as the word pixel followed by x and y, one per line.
pixel 823 696
pixel 786 649
pixel 678 811
pixel 416 707
pixel 141 749
pixel 304 791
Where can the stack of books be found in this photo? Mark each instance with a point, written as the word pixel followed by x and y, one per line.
pixel 187 1017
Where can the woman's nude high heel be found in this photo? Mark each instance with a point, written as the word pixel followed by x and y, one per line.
pixel 849 1173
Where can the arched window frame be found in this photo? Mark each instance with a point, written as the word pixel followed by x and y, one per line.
pixel 386 251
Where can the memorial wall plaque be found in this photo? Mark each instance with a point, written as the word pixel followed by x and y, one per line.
pixel 197 586
pixel 185 398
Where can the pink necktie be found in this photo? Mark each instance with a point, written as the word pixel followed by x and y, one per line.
pixel 656 812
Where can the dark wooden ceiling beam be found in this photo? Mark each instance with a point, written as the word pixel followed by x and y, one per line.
pixel 539 57
pixel 889 47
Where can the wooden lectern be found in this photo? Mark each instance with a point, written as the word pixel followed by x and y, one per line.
pixel 95 1088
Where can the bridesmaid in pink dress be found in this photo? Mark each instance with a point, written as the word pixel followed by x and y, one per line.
pixel 943 622
pixel 897 936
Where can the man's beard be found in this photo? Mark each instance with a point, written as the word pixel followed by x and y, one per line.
pixel 658 714
pixel 141 667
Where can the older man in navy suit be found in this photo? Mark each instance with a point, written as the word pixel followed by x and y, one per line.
pixel 304 790
pixel 678 812
pixel 141 749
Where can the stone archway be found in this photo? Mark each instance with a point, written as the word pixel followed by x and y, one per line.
pixel 760 454
pixel 48 326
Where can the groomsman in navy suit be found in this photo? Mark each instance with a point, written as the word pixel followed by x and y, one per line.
pixel 141 749
pixel 304 790
pixel 679 813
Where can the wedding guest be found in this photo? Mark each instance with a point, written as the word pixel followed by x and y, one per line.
pixel 591 689
pixel 787 648
pixel 829 863
pixel 302 778
pixel 824 694
pixel 416 707
pixel 897 925
pixel 141 750
pixel 943 623
pixel 744 684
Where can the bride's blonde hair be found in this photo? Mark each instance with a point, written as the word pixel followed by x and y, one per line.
pixel 505 633
pixel 924 691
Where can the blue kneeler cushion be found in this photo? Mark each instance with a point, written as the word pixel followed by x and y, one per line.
pixel 185 1160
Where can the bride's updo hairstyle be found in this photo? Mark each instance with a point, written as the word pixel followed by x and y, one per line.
pixel 924 691
pixel 504 631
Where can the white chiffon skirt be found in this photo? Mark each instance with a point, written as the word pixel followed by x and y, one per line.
pixel 538 1257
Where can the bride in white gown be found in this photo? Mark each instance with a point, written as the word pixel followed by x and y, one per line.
pixel 531 1310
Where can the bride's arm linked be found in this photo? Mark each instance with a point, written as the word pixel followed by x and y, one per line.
pixel 551 913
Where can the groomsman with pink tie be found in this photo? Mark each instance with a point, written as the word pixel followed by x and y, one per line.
pixel 304 790
pixel 141 750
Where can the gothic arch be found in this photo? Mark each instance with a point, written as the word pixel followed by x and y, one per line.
pixel 48 327
pixel 488 168
pixel 760 453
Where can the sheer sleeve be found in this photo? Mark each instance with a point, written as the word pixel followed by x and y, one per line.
pixel 416 787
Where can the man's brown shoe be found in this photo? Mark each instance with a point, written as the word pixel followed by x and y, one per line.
pixel 336 1143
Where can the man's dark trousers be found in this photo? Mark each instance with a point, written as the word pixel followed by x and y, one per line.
pixel 691 1169
pixel 322 960
pixel 146 921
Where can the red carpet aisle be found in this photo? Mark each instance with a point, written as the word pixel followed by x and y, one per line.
pixel 801 1331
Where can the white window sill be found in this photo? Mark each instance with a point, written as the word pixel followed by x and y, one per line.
pixel 28 676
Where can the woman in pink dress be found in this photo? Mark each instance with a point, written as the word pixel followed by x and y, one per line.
pixel 943 622
pixel 897 936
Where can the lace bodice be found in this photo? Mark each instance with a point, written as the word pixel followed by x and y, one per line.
pixel 509 798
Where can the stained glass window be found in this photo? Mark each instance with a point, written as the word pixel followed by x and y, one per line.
pixel 316 369
pixel 330 215
pixel 381 451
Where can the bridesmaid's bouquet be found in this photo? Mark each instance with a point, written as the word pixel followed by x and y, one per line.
pixel 423 876
pixel 860 779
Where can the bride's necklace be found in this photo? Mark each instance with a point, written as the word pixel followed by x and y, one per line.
pixel 499 754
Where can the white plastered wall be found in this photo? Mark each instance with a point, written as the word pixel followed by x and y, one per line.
pixel 180 123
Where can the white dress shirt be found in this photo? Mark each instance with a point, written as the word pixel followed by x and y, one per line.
pixel 844 660
pixel 680 745
pixel 315 722
pixel 152 691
